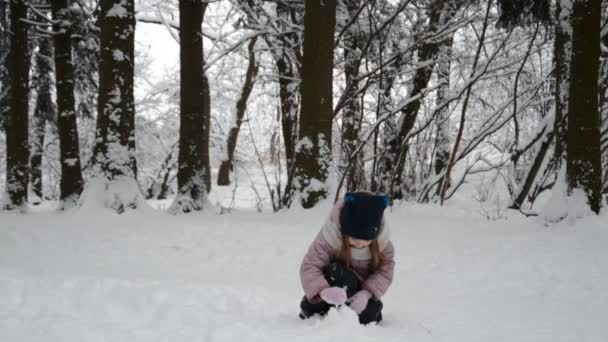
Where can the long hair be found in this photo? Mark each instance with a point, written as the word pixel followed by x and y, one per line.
pixel 344 254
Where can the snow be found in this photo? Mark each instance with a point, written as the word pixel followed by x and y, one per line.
pixel 119 56
pixel 304 144
pixel 118 10
pixel 562 206
pixel 91 275
pixel 122 193
pixel 71 161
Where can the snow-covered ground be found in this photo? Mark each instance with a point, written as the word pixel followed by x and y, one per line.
pixel 148 276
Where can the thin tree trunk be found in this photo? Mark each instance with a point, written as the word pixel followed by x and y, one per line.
pixel 37 150
pixel 351 115
pixel 604 110
pixel 164 185
pixel 193 176
pixel 442 150
pixel 440 13
pixel 86 57
pixel 313 151
pixel 444 185
pixel 159 188
pixel 383 165
pixel 17 145
pixel 4 50
pixel 442 154
pixel 285 49
pixel 583 169
pixel 226 166
pixel 114 164
pixel 561 53
pixel 289 88
pixel 43 112
pixel 533 172
pixel 71 184
pixel 288 61
pixel 561 60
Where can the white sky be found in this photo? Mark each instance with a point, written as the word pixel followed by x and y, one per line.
pixel 162 48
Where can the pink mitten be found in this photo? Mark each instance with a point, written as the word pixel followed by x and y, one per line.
pixel 333 295
pixel 358 302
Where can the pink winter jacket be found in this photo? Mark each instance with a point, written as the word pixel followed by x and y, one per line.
pixel 324 249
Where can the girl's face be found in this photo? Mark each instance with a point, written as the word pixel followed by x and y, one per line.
pixel 356 243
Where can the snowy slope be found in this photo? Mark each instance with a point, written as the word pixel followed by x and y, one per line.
pixel 95 276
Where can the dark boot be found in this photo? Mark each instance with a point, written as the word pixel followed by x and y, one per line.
pixel 308 309
pixel 372 312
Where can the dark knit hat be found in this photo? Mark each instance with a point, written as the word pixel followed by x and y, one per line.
pixel 361 216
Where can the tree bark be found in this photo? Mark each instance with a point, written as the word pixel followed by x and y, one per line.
pixel 562 51
pixel 37 150
pixel 44 111
pixel 226 166
pixel 86 56
pixel 194 174
pixel 521 12
pixel 114 163
pixel 604 108
pixel 351 115
pixel 17 145
pixel 288 62
pixel 313 151
pixel 71 184
pixel 583 170
pixel 4 49
pixel 289 89
pixel 442 150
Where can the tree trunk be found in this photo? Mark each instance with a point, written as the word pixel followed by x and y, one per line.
pixel 289 89
pixel 37 150
pixel 43 112
pixel 159 187
pixel 4 49
pixel 288 60
pixel 562 50
pixel 442 150
pixel 193 177
pixel 71 183
pixel 520 12
pixel 351 115
pixel 604 109
pixel 226 166
pixel 313 151
pixel 583 169
pixel 537 163
pixel 17 146
pixel 382 165
pixel 114 164
pixel 86 42
pixel 442 154
pixel 458 139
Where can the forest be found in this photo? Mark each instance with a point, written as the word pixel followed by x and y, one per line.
pixel 410 98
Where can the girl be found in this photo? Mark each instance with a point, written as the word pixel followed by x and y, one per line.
pixel 350 261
